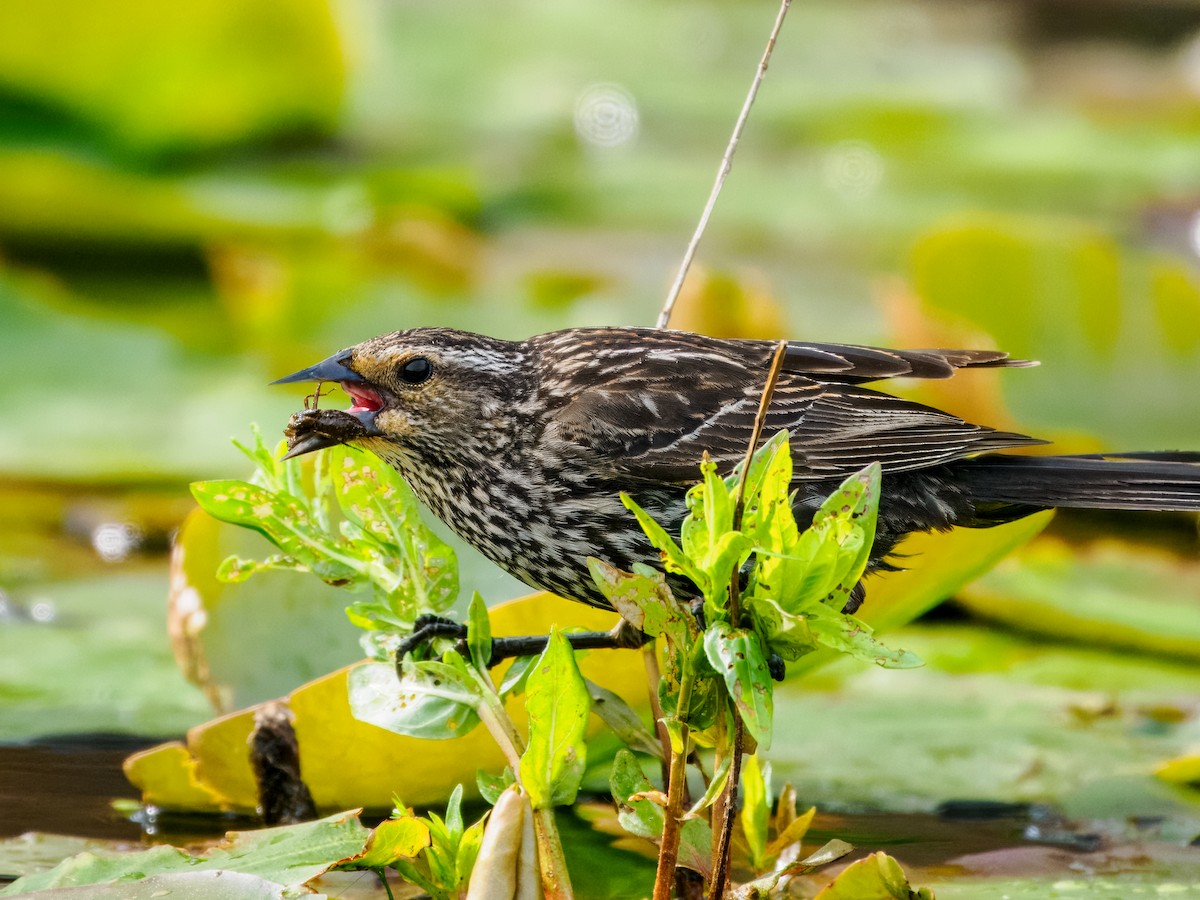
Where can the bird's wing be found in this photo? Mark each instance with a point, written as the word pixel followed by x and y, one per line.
pixel 853 364
pixel 652 415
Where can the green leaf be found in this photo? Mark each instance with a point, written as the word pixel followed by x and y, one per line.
pixel 516 675
pixel 393 839
pixel 431 701
pixel 288 855
pixel 856 638
pixel 716 786
pixel 492 786
pixel 378 503
pixel 642 598
pixel 479 633
pixel 738 657
pixel 644 818
pixel 784 633
pixel 876 876
pixel 557 702
pixel 756 809
pixel 623 720
pixel 282 519
pixel 674 557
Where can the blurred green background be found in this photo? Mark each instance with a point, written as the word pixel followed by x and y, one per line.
pixel 197 198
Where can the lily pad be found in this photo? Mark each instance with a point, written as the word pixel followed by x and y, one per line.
pixel 348 763
pixel 1109 594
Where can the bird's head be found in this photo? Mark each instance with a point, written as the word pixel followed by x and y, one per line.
pixel 416 394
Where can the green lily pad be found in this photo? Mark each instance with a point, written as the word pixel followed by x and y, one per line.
pixel 1111 594
pixel 79 671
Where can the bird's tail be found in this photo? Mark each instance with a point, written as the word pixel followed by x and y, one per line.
pixel 1146 481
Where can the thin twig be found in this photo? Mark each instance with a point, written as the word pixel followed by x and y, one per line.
pixel 760 420
pixel 729 811
pixel 729 805
pixel 723 170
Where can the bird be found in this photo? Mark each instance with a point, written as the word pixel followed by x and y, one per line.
pixel 523 448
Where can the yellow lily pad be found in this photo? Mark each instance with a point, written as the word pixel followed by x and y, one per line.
pixel 347 763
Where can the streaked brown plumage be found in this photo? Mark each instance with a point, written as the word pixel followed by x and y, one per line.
pixel 522 447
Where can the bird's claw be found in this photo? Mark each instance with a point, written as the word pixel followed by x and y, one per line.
pixel 426 629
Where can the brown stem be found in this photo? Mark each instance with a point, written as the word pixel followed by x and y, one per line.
pixel 653 677
pixel 728 804
pixel 556 883
pixel 721 857
pixel 668 852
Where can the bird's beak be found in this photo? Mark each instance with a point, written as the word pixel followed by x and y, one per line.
pixel 316 429
pixel 332 369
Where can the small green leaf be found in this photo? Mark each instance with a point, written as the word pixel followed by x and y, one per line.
pixel 557 701
pixel 738 657
pixel 644 818
pixel 674 557
pixel 716 786
pixel 877 875
pixel 492 786
pixel 394 839
pixel 756 809
pixel 621 718
pixel 516 675
pixel 479 633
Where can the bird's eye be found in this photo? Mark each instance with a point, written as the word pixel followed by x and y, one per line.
pixel 416 370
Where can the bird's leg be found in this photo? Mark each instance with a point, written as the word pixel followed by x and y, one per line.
pixel 622 636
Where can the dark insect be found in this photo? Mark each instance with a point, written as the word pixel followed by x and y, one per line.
pixel 312 401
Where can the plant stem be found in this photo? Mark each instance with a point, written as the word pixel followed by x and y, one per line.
pixel 729 810
pixel 728 805
pixel 668 852
pixel 653 677
pixel 760 419
pixel 556 883
pixel 723 170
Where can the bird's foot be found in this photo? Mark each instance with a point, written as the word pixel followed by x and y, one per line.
pixel 426 629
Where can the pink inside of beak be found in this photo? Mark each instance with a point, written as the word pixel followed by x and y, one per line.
pixel 366 399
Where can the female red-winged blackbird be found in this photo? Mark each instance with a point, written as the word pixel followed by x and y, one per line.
pixel 522 447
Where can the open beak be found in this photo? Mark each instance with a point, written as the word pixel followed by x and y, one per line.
pixel 316 429
pixel 332 369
